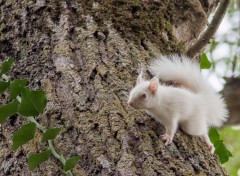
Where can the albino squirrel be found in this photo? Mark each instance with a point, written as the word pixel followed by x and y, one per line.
pixel 194 106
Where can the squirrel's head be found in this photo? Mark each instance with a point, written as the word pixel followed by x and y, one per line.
pixel 142 94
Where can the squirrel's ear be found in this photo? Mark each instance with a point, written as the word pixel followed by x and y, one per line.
pixel 140 78
pixel 153 85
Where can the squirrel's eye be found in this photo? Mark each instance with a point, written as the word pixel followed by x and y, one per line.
pixel 144 96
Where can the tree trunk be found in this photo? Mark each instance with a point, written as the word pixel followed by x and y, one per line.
pixel 85 54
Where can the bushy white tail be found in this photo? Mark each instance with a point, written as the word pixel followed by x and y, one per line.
pixel 186 72
pixel 181 69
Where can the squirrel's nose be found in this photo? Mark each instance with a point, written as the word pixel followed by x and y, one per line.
pixel 130 103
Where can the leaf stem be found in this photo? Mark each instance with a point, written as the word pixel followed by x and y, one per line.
pixel 42 128
pixel 5 77
pixel 69 173
pixel 50 142
pixel 55 154
pixel 59 157
pixel 19 99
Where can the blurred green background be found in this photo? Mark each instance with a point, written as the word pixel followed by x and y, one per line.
pixel 231 137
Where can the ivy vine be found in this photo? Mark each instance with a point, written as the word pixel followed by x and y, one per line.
pixel 28 103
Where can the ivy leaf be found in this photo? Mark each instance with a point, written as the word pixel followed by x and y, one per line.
pixel 229 153
pixel 6 66
pixel 23 135
pixel 220 148
pixel 223 153
pixel 36 159
pixel 51 134
pixel 3 86
pixel 8 110
pixel 71 163
pixel 205 63
pixel 33 102
pixel 214 135
pixel 15 87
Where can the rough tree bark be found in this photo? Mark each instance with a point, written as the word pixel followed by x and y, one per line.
pixel 85 54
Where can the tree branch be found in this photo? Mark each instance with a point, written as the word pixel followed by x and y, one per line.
pixel 200 44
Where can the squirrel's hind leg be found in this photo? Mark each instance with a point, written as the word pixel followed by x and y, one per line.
pixel 208 142
pixel 198 128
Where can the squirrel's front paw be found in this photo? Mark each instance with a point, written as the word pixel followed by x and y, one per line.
pixel 166 139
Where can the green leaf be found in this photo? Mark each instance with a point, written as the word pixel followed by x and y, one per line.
pixel 36 159
pixel 229 153
pixel 33 102
pixel 223 153
pixel 214 135
pixel 220 149
pixel 205 63
pixel 15 87
pixel 3 86
pixel 51 134
pixel 23 135
pixel 71 163
pixel 6 66
pixel 8 110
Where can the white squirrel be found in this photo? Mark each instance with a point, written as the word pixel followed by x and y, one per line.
pixel 194 105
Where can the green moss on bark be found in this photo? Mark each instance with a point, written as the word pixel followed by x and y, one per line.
pixel 137 21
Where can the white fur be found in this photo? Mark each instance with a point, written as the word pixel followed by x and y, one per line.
pixel 194 106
